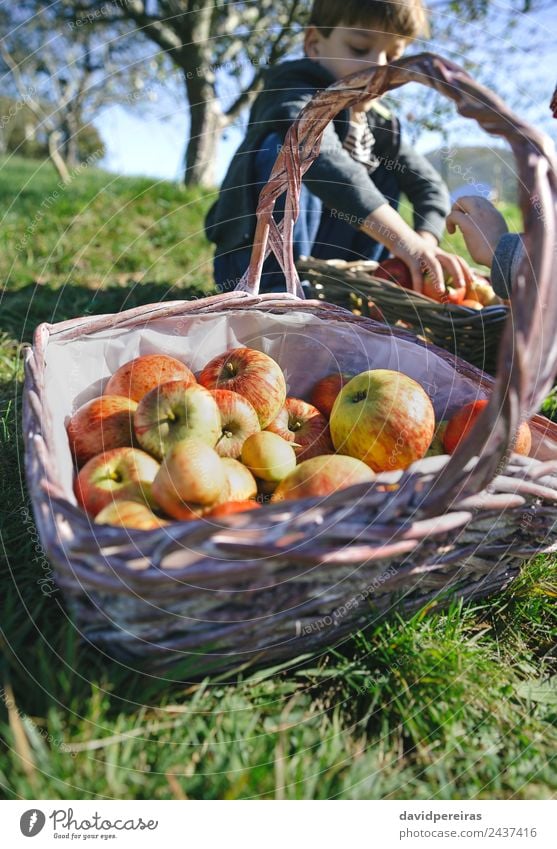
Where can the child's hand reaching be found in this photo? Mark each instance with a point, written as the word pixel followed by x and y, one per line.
pixel 481 224
pixel 419 251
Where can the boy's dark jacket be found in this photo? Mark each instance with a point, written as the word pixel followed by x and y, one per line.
pixel 338 180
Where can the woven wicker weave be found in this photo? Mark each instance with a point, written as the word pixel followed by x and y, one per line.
pixel 278 582
pixel 473 335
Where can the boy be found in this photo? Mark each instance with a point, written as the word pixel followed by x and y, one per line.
pixel 350 194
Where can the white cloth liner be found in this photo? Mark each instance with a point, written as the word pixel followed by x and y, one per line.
pixel 306 347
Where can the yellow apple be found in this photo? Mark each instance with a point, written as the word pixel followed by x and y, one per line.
pixel 129 514
pixel 241 481
pixel 268 456
pixel 191 473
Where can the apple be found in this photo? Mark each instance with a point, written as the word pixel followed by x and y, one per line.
pixel 101 424
pixel 129 514
pixel 252 374
pixel 191 476
pixel 394 270
pixel 437 448
pixel 238 421
pixel 241 482
pixel 305 427
pixel 451 294
pixel 463 421
pixel 122 473
pixel 268 456
pixel 230 507
pixel 324 392
pixel 321 476
pixel 173 412
pixel 137 377
pixel 454 294
pixel 265 489
pixel 480 289
pixel 471 304
pixel 397 271
pixel 431 291
pixel 384 418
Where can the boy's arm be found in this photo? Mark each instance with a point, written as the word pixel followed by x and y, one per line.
pixel 419 254
pixel 342 183
pixel 425 190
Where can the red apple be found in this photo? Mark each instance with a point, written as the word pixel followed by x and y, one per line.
pixel 302 424
pixel 451 294
pixel 241 482
pixel 173 412
pixel 136 378
pixel 238 421
pixel 324 393
pixel 122 473
pixel 101 424
pixel 394 270
pixel 191 476
pixel 431 291
pixel 463 421
pixel 321 476
pixel 230 507
pixel 384 418
pixel 129 514
pixel 252 374
pixel 397 271
pixel 454 295
pixel 268 456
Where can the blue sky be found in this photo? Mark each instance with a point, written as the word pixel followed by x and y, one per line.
pixel 151 141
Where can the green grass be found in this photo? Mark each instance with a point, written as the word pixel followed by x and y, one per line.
pixel 450 705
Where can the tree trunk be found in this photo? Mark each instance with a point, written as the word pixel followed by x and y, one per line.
pixel 206 125
pixel 70 145
pixel 54 140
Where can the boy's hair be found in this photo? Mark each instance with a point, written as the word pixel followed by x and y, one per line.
pixel 406 18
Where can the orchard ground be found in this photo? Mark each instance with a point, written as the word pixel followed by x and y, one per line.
pixel 449 705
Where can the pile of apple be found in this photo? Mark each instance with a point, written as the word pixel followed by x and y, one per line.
pixel 162 444
pixel 475 295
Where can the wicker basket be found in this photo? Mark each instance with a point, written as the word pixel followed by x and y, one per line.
pixel 473 335
pixel 278 582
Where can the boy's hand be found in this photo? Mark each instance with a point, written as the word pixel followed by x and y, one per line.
pixel 421 255
pixel 481 224
pixel 425 258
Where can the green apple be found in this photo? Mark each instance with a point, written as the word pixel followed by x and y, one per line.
pixel 173 412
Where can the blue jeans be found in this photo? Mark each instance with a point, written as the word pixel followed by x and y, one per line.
pixel 317 232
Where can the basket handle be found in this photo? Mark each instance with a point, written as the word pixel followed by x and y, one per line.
pixel 528 353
